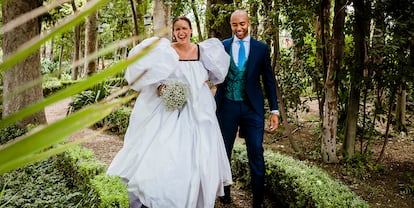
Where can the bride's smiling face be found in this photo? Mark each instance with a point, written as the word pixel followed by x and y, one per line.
pixel 182 31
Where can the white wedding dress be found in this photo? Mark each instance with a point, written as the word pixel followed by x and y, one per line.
pixel 175 158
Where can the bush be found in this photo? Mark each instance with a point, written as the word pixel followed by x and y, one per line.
pixel 51 85
pixel 118 120
pixel 295 183
pixel 88 97
pixel 88 174
pixel 48 66
pixel 11 132
pixel 79 165
pixel 112 193
pixel 71 179
pixel 39 185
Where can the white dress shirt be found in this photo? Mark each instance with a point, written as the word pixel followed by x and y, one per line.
pixel 236 45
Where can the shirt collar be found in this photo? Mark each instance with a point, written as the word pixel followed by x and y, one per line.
pixel 246 39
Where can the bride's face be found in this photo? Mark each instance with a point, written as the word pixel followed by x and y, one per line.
pixel 182 31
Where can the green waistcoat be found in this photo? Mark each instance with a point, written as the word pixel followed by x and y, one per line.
pixel 236 82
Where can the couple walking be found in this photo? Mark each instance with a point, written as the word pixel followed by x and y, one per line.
pixel 181 158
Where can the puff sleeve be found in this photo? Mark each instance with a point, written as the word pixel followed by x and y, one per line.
pixel 160 62
pixel 215 59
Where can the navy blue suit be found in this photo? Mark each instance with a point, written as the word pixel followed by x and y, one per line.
pixel 249 115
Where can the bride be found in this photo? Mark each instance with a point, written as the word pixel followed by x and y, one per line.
pixel 175 158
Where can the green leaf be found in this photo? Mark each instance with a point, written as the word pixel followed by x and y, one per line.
pixel 18 152
pixel 74 89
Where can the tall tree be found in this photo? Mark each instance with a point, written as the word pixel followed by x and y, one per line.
pixel 26 72
pixel 330 113
pixel 361 36
pixel 134 17
pixel 91 41
pixel 162 13
pixel 197 20
pixel 77 45
pixel 141 9
pixel 404 29
pixel 323 31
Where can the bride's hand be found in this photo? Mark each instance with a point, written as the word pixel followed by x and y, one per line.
pixel 159 89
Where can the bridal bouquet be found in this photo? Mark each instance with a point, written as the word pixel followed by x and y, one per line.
pixel 174 95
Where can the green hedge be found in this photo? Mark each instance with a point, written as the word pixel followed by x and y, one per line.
pixel 52 84
pixel 295 183
pixel 118 120
pixel 85 171
pixel 111 192
pixel 11 132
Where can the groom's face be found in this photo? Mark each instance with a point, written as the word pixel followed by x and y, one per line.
pixel 239 23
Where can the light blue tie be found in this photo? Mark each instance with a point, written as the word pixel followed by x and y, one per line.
pixel 242 55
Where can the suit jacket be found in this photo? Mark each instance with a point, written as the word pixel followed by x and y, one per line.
pixel 258 68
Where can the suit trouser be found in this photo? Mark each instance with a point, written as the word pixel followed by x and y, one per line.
pixel 232 115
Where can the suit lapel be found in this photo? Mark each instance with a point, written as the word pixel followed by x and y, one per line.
pixel 251 59
pixel 227 46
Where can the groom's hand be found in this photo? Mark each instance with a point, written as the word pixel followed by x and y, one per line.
pixel 274 122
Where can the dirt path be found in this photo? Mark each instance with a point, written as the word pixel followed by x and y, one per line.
pixel 105 146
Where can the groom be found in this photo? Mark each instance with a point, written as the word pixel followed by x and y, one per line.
pixel 240 100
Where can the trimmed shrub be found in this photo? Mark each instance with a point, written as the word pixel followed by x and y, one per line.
pixel 80 165
pixel 111 192
pixel 88 174
pixel 297 184
pixel 39 185
pixel 11 132
pixel 117 120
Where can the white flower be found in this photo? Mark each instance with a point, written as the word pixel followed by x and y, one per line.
pixel 174 95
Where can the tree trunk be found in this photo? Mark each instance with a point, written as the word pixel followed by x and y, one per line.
pixel 162 20
pixel 134 17
pixel 197 20
pixel 141 8
pixel 62 46
pixel 361 33
pixel 91 37
pixel 27 71
pixel 217 23
pixel 400 122
pixel 77 44
pixel 323 32
pixel 329 123
pixel 330 120
pixel 276 44
pixel 51 53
